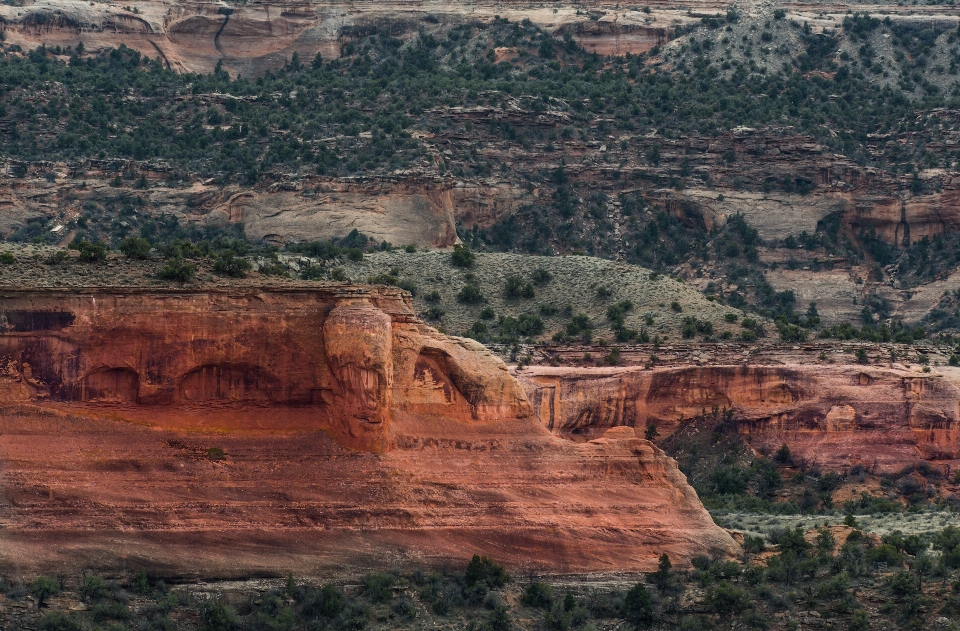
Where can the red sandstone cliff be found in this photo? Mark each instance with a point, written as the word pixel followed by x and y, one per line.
pixel 832 415
pixel 224 432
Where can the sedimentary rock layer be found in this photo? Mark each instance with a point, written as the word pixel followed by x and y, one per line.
pixel 836 416
pixel 256 430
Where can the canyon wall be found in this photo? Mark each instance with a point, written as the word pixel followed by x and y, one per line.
pixel 754 167
pixel 835 416
pixel 418 210
pixel 422 207
pixel 249 39
pixel 259 430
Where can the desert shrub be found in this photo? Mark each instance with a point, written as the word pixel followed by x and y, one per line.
pixel 478 331
pixel 228 263
pixel 179 270
pixel 94 588
pixel 471 294
pixel 783 455
pixel 859 621
pixel 565 615
pixel 730 480
pixel 911 544
pixel 482 570
pixel 903 583
pixel 617 311
pixel 312 272
pixel 661 578
pixel 217 616
pixel 110 611
pixel 638 607
pixel 834 587
pixel 613 357
pixel 755 620
pixel 792 333
pixel 378 588
pixel 538 594
pixel 274 268
pixel 92 252
pixel 317 249
pixel 826 542
pixel 404 608
pixel 790 541
pixel 462 256
pixel 327 602
pixel 499 619
pixel 56 621
pixel 725 598
pixel 541 276
pixel 7 258
pixel 135 247
pixel 526 325
pixel 871 504
pixel 948 542
pixel 515 287
pixel 42 588
pixel 142 584
pixel 885 553
pixel 580 323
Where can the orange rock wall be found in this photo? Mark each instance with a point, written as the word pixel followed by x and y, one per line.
pixel 836 416
pixel 223 433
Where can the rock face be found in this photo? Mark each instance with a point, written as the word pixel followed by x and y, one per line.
pixel 252 430
pixel 834 416
pixel 250 39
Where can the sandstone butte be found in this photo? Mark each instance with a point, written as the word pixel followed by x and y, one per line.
pixel 838 416
pixel 256 431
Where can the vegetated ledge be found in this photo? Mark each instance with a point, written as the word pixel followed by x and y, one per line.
pixel 233 431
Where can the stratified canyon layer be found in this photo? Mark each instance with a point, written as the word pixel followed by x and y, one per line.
pixel 250 38
pixel 259 430
pixel 835 416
